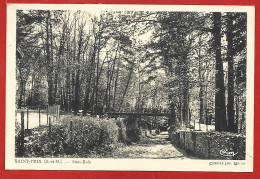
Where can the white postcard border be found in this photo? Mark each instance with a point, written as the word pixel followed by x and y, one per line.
pixel 12 163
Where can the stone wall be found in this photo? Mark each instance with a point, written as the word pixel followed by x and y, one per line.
pixel 210 145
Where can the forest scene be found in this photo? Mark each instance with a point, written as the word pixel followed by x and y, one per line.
pixel 107 83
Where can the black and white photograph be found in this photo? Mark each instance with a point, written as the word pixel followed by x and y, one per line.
pixel 130 87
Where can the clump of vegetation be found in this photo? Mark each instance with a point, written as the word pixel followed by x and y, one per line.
pixel 121 131
pixel 75 137
pixel 132 130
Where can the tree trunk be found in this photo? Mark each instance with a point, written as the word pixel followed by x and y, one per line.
pixel 127 84
pixel 106 92
pixel 77 93
pixel 185 92
pixel 49 60
pixel 201 119
pixel 115 88
pixel 97 110
pixel 87 101
pixel 220 106
pixel 20 101
pixel 186 105
pixel 62 41
pixel 111 77
pixel 201 105
pixel 230 59
pixel 172 119
pixel 77 102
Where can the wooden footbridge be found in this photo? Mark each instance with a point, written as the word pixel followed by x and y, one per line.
pixel 142 112
pixel 137 114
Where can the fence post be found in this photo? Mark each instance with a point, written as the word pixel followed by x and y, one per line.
pixel 49 127
pixel 47 113
pixel 21 146
pixel 58 112
pixel 151 127
pixel 189 117
pixel 70 134
pixel 82 134
pixel 71 126
pixel 207 120
pixel 39 116
pixel 15 116
pixel 27 118
pixel 241 123
pixel 49 133
pixel 53 112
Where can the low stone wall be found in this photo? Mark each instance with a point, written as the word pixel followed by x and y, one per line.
pixel 210 145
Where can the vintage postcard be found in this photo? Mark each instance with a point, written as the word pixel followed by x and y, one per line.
pixel 130 87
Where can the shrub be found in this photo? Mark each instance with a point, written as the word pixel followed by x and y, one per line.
pixel 88 136
pixel 121 131
pixel 93 135
pixel 48 144
pixel 132 130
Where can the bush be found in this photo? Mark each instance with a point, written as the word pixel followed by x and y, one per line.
pixel 121 131
pixel 132 130
pixel 48 144
pixel 93 135
pixel 88 136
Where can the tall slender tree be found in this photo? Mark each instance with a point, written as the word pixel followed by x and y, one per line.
pixel 220 104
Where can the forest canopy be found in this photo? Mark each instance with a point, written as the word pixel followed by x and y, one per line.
pixel 191 63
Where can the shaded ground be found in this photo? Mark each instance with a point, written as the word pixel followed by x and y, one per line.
pixel 155 147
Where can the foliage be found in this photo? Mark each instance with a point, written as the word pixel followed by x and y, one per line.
pixel 131 60
pixel 132 129
pixel 121 131
pixel 89 136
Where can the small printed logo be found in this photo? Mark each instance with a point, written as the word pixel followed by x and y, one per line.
pixel 227 153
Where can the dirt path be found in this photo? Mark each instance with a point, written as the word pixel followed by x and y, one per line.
pixel 156 147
